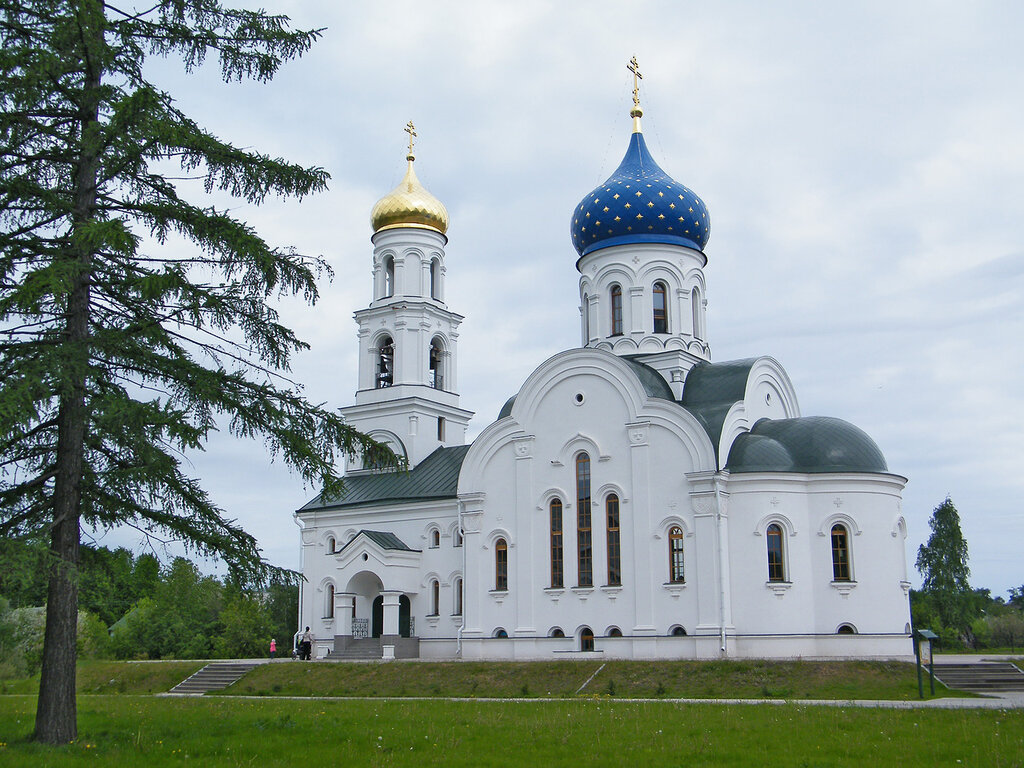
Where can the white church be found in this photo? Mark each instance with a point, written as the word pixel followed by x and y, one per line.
pixel 633 499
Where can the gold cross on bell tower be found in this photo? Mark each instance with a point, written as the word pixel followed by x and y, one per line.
pixel 636 113
pixel 411 130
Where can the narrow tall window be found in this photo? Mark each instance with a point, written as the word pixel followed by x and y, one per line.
pixel 435 597
pixel 696 307
pixel 389 277
pixel 616 296
pixel 660 309
pixel 435 280
pixel 614 555
pixel 584 543
pixel 331 546
pixel 440 428
pixel 501 565
pixel 586 320
pixel 458 597
pixel 776 569
pixel 676 574
pixel 840 554
pixel 557 577
pixel 457 538
pixel 587 639
pixel 435 539
pixel 329 602
pixel 436 365
pixel 386 363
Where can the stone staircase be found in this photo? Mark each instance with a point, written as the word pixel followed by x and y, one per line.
pixel 214 677
pixel 363 649
pixel 985 677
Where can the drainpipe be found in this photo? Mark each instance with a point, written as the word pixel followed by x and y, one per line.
pixel 302 581
pixel 458 632
pixel 721 564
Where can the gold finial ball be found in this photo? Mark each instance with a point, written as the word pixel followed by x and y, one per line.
pixel 409 205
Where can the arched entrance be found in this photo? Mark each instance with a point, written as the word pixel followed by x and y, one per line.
pixel 404 612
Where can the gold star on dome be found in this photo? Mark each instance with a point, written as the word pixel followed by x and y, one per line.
pixel 639 193
pixel 616 195
pixel 650 205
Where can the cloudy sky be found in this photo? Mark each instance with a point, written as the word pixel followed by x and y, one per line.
pixel 862 164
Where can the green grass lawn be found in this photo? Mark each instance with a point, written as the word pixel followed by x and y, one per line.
pixel 557 679
pixel 222 731
pixel 117 677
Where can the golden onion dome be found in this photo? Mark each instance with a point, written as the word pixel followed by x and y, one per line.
pixel 409 205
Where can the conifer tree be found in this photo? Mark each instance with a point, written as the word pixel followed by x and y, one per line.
pixel 119 354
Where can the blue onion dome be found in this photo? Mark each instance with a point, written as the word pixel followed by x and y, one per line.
pixel 639 203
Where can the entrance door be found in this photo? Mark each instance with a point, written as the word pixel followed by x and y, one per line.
pixel 377 622
pixel 403 616
pixel 404 612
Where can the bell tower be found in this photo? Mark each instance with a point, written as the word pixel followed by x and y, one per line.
pixel 408 338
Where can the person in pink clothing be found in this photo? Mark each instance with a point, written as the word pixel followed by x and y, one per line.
pixel 273 648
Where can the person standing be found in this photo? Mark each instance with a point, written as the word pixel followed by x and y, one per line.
pixel 306 645
pixel 273 648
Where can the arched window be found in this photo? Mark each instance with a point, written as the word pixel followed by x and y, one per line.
pixel 611 506
pixel 499 632
pixel 435 539
pixel 557 570
pixel 436 374
pixel 846 629
pixel 584 542
pixel 616 296
pixel 614 632
pixel 457 538
pixel 331 546
pixel 557 632
pixel 501 565
pixel 776 567
pixel 435 597
pixel 678 631
pixel 586 639
pixel 329 602
pixel 586 320
pixel 458 597
pixel 660 308
pixel 840 553
pixel 389 277
pixel 676 573
pixel 696 306
pixel 435 279
pixel 386 363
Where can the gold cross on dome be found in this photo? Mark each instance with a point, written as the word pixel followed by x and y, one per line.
pixel 411 130
pixel 637 77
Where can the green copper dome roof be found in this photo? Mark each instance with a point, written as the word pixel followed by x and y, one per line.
pixel 811 444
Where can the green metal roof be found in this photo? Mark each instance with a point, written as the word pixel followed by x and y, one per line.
pixel 383 539
pixel 811 444
pixel 436 477
pixel 711 389
pixel 654 383
pixel 506 409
